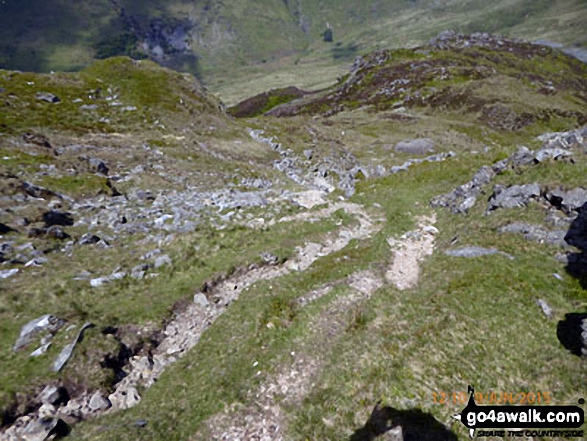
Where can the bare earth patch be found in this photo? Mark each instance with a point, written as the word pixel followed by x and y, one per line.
pixel 409 251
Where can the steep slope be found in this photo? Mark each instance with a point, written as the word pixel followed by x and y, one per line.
pixel 399 236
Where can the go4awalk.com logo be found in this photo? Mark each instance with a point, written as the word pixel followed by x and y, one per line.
pixel 522 421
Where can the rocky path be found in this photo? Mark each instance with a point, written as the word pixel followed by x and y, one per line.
pixel 264 419
pixel 185 330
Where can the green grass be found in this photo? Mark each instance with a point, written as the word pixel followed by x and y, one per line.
pixel 468 322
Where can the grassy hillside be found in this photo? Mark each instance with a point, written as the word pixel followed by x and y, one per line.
pixel 243 282
pixel 223 42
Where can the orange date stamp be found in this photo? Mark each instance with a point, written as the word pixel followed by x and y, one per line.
pixel 493 397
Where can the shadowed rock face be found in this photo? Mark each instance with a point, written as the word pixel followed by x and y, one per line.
pixel 570 333
pixel 415 424
pixel 577 237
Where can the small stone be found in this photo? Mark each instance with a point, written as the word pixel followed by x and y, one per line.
pixel 201 300
pixel 5 274
pixel 89 239
pixel 40 350
pixel 37 261
pixel 54 395
pixel 46 323
pixel 99 166
pixel 47 97
pixel 67 351
pixel 545 308
pixel 46 411
pixel 430 229
pixel 103 244
pixel 56 232
pixel 470 252
pixel 124 399
pixel 99 281
pixel 99 402
pixel 162 260
pixel 138 272
pixel 270 258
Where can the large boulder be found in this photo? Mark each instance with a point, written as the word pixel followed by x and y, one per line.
pixel 513 196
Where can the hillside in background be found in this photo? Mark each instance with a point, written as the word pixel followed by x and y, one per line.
pixel 272 42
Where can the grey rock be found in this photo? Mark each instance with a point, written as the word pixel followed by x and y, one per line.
pixel 309 154
pixel 151 254
pixel 419 146
pixel 5 274
pixel 88 107
pixel 124 398
pixel 548 312
pixel 552 154
pixel 46 323
pixel 513 196
pixel 270 258
pixel 56 232
pixel 463 198
pixel 144 195
pixel 40 350
pixel 67 351
pixel 535 233
pixel 99 402
pixel 53 395
pixel 6 247
pixel 37 261
pixel 472 251
pixel 162 260
pixel 567 201
pixel 38 429
pixel 99 165
pixel 467 204
pixel 84 275
pixel 103 244
pixel 46 412
pixel 89 239
pixel 117 275
pixel 47 97
pixel 138 272
pixel 99 281
pixel 201 299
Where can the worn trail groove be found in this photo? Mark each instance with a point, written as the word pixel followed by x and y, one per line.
pixel 264 419
pixel 185 330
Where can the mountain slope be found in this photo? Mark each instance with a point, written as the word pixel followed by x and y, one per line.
pixel 278 277
pixel 222 41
